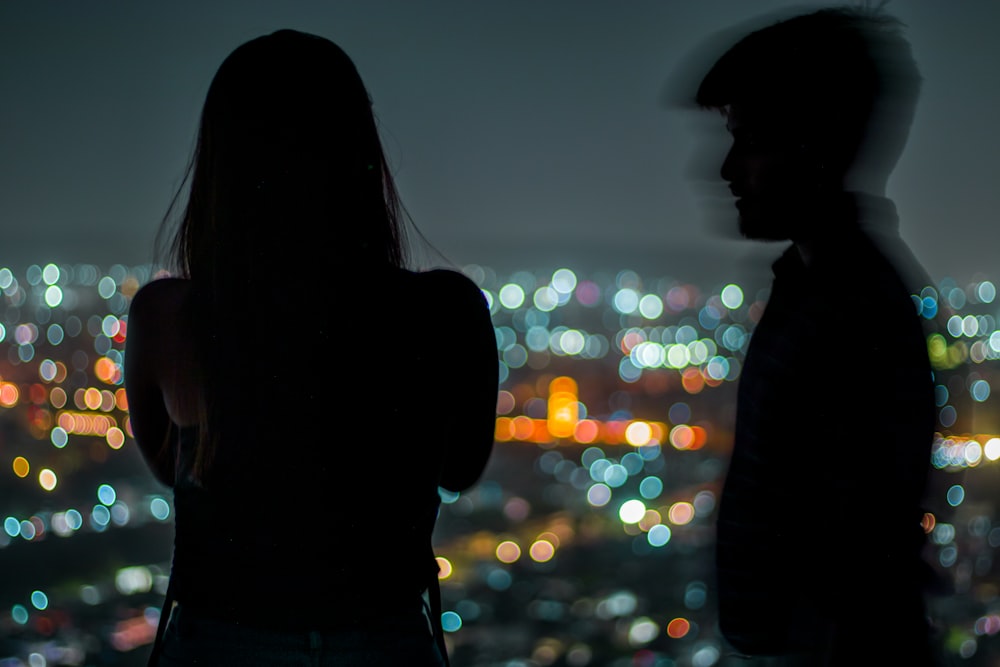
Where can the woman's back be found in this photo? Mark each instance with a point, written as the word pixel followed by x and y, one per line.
pixel 337 427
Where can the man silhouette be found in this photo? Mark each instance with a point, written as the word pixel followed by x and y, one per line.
pixel 819 528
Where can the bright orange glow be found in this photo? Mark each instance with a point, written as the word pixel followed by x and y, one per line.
pixel 523 427
pixel 540 431
pixel 681 436
pixel 635 433
pixel 542 551
pixel 121 399
pixel 92 398
pixel 563 407
pixel 60 372
pixel 47 479
pixel 563 414
pixel 503 429
pixel 508 552
pixel 928 522
pixel 692 380
pixel 700 437
pixel 104 369
pixel 8 394
pixel 102 425
pixel 681 513
pixel 677 628
pixel 659 430
pixel 563 383
pixel 614 432
pixel 85 423
pixel 444 567
pixel 115 438
pixel 21 466
pixel 586 431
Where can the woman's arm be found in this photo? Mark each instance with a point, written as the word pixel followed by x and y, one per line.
pixel 148 415
pixel 468 371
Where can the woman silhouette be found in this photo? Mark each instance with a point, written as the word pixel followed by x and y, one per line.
pixel 303 393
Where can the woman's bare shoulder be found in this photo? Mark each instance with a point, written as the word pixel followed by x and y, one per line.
pixel 159 298
pixel 450 284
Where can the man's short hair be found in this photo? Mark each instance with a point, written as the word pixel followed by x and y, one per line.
pixel 836 77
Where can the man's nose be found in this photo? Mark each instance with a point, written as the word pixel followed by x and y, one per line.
pixel 727 171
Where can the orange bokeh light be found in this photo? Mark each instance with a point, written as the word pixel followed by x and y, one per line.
pixel 681 436
pixel 92 398
pixel 21 466
pixel 678 628
pixel 115 438
pixel 523 427
pixel 8 394
pixel 586 431
pixel 692 380
pixel 121 399
pixel 444 567
pixel 503 429
pixel 681 513
pixel 104 369
pixel 542 551
pixel 508 551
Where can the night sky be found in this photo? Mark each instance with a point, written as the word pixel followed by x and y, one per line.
pixel 523 134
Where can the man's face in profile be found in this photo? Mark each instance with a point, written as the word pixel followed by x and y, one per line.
pixel 773 176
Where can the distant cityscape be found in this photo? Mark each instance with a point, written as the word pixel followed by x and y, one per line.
pixel 589 540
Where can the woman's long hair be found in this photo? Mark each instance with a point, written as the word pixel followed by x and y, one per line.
pixel 288 179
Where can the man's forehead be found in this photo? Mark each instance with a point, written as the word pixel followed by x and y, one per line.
pixel 763 117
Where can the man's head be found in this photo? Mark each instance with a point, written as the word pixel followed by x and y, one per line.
pixel 817 104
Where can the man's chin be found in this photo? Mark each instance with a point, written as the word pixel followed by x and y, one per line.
pixel 762 224
pixel 757 234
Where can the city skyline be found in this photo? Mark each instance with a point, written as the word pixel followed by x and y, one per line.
pixel 587 542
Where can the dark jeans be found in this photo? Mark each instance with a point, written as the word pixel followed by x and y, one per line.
pixel 192 639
